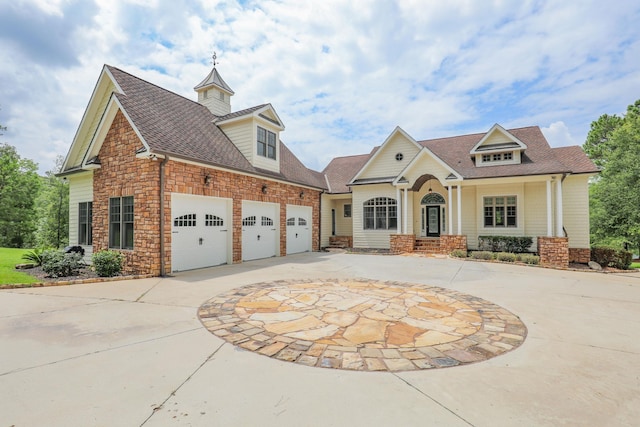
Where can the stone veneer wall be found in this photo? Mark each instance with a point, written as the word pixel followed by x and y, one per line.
pixel 122 174
pixel 554 251
pixel 452 242
pixel 580 255
pixel 344 241
pixel 401 243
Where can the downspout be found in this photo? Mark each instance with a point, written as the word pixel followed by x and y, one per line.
pixel 163 271
pixel 320 193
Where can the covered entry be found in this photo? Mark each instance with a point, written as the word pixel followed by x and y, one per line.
pixel 260 225
pixel 432 214
pixel 298 229
pixel 200 231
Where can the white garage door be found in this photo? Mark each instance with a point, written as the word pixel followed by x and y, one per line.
pixel 298 229
pixel 260 224
pixel 200 231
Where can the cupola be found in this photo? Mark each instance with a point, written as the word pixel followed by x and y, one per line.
pixel 214 92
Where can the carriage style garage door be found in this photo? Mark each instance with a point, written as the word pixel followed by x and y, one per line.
pixel 200 231
pixel 260 225
pixel 298 229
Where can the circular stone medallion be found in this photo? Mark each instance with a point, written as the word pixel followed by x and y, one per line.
pixel 362 325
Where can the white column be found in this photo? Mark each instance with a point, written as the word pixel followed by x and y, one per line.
pixel 559 224
pixel 399 211
pixel 450 188
pixel 549 221
pixel 406 210
pixel 459 209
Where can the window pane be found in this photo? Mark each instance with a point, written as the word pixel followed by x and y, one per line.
pixel 114 222
pixel 500 216
pixel 271 145
pixel 393 217
pixel 511 216
pixel 381 217
pixel 128 236
pixel 368 223
pixel 488 201
pixel 499 201
pixel 488 216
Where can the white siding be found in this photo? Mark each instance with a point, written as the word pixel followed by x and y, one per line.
pixel 80 190
pixel 385 163
pixel 378 239
pixel 261 161
pixel 427 165
pixel 575 200
pixel 469 215
pixel 242 135
pixel 535 209
pixel 325 219
pixel 344 225
pixel 500 190
pixel 497 138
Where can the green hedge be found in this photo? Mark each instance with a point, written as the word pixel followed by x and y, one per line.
pixel 107 263
pixel 611 257
pixel 59 264
pixel 513 244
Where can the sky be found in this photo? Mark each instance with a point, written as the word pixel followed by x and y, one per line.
pixel 341 74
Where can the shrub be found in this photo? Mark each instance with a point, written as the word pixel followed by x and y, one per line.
pixel 107 263
pixel 58 264
pixel 528 259
pixel 514 244
pixel 506 257
pixel 34 256
pixel 611 257
pixel 459 253
pixel 486 255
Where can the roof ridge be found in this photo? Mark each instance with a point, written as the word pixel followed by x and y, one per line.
pixel 152 84
pixel 475 133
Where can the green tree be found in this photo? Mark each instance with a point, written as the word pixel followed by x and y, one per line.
pixel 19 185
pixel 598 145
pixel 615 196
pixel 52 205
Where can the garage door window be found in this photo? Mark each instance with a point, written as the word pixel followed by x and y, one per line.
pixel 266 221
pixel 213 221
pixel 302 221
pixel 249 221
pixel 188 220
pixel 291 221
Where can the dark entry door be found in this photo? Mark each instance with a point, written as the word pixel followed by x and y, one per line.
pixel 433 221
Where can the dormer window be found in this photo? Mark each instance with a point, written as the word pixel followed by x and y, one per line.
pixel 507 156
pixel 497 157
pixel 266 143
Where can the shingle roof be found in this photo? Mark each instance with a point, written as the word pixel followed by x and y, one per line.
pixel 214 79
pixel 176 126
pixel 539 158
pixel 341 170
pixel 245 112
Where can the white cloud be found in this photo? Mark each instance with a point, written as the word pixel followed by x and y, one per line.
pixel 558 135
pixel 341 74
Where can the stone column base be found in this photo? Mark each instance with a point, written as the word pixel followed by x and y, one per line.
pixel 401 243
pixel 452 242
pixel 580 255
pixel 554 251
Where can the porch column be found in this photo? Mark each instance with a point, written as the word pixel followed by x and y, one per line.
pixel 399 213
pixel 549 220
pixel 559 224
pixel 450 196
pixel 459 209
pixel 406 210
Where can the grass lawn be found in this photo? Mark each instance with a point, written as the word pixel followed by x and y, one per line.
pixel 8 274
pixel 635 265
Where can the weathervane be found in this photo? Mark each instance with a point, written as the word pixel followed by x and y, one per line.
pixel 214 59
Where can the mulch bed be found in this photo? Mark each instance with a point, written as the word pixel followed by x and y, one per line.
pixel 37 272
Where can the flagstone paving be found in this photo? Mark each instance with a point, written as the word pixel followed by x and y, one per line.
pixel 362 325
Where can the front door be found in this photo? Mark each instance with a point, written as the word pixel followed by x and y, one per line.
pixel 431 221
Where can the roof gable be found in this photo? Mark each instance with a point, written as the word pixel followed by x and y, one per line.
pixel 498 139
pixel 260 112
pixel 391 158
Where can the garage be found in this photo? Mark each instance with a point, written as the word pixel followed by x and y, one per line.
pixel 298 229
pixel 260 225
pixel 200 231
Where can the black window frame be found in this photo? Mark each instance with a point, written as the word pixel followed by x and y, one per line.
pixel 121 222
pixel 347 209
pixel 85 223
pixel 267 145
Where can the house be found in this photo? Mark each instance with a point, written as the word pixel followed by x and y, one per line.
pixel 176 184
pixel 442 194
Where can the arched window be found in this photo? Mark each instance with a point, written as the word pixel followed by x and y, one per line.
pixel 432 199
pixel 380 213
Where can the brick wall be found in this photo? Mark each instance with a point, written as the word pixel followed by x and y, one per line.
pixel 121 174
pixel 342 241
pixel 401 243
pixel 452 242
pixel 554 251
pixel 580 255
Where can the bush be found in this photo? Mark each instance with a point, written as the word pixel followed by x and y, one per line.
pixel 107 263
pixel 513 244
pixel 611 257
pixel 486 255
pixel 459 253
pixel 528 259
pixel 506 257
pixel 34 256
pixel 59 264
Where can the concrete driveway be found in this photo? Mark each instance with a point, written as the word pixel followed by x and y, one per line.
pixel 134 353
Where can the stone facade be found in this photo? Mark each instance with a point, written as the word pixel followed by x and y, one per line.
pixel 122 174
pixel 554 251
pixel 341 241
pixel 452 242
pixel 580 255
pixel 401 243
